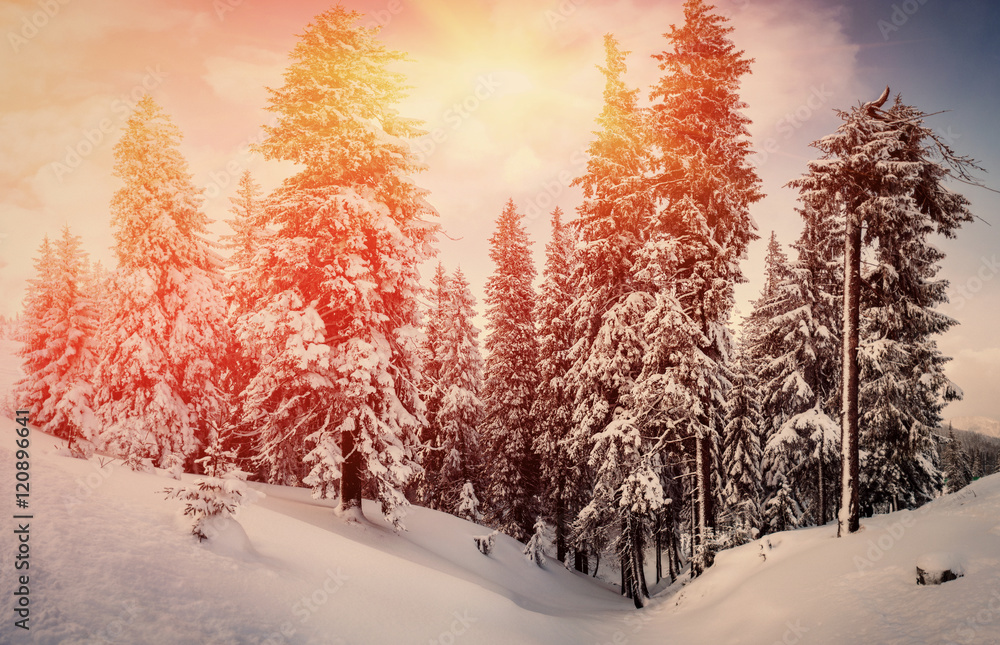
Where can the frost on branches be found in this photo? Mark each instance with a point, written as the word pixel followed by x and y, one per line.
pixel 336 278
pixel 163 336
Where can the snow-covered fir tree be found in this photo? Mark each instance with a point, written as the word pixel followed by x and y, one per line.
pixel 230 441
pixel 249 231
pixel 337 281
pixel 742 455
pixel 782 512
pixel 534 550
pixel 561 494
pixel 704 185
pixel 431 391
pixel 461 409
pixel 32 392
pixel 955 463
pixel 793 341
pixel 606 444
pixel 884 170
pixel 163 335
pixel 468 504
pixel 783 390
pixel 511 378
pixel 59 327
pixel 213 501
pixel 803 457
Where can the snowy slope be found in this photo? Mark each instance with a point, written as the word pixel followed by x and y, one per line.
pixel 109 553
pixel 982 425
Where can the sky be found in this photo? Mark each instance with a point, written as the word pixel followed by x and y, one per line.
pixel 509 91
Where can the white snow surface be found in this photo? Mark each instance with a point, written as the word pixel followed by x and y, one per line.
pixel 112 561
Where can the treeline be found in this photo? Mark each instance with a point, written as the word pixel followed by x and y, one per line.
pixel 967 456
pixel 614 405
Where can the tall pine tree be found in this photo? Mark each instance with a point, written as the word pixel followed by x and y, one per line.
pixel 431 390
pixel 560 485
pixel 163 336
pixel 606 444
pixel 340 270
pixel 511 373
pixel 742 455
pixel 704 186
pixel 461 407
pixel 59 329
pixel 885 171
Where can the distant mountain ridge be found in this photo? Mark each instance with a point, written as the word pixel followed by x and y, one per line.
pixel 982 425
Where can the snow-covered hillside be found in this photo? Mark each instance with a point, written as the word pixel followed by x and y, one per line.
pixel 982 425
pixel 112 561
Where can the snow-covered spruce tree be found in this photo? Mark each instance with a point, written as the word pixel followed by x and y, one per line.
pixel 32 392
pixel 704 185
pixel 782 512
pixel 213 501
pixel 803 456
pixel 230 441
pixel 955 463
pixel 608 316
pixel 885 171
pixel 249 232
pixel 59 336
pixel 783 391
pixel 461 409
pixel 795 347
pixel 561 495
pixel 163 335
pixel 534 550
pixel 741 456
pixel 468 504
pixel 339 272
pixel 431 392
pixel 511 378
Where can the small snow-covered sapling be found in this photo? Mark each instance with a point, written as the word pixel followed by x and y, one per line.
pixel 212 498
pixel 485 542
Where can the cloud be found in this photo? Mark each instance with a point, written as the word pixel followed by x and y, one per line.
pixel 243 76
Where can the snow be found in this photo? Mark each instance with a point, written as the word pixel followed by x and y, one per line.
pixel 113 561
pixel 938 561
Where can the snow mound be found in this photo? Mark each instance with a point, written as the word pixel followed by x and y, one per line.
pixel 939 566
pixel 227 537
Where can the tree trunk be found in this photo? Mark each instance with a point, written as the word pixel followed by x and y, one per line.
pixel 350 479
pixel 560 530
pixel 625 586
pixel 820 481
pixel 848 517
pixel 580 561
pixel 703 464
pixel 673 561
pixel 659 547
pixel 639 549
